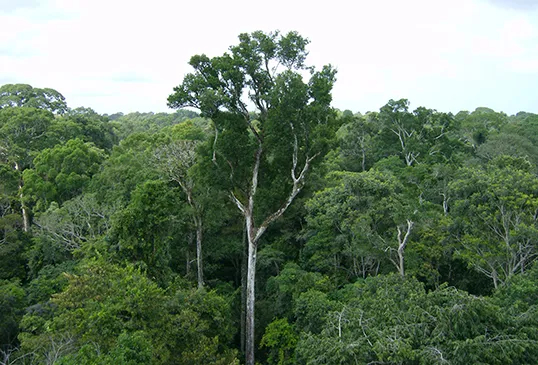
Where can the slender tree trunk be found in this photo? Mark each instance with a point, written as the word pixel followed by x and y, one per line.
pixel 445 203
pixel 402 243
pixel 25 217
pixel 250 294
pixel 244 264
pixel 199 266
pixel 401 259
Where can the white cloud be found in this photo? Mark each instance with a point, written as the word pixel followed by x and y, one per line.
pixel 9 6
pixel 516 4
pixel 119 55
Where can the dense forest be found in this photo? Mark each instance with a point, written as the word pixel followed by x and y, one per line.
pixel 258 224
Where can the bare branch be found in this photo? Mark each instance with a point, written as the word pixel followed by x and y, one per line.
pixel 298 184
pixel 237 202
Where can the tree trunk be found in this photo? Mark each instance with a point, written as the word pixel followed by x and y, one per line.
pixel 401 259
pixel 25 217
pixel 244 264
pixel 402 243
pixel 250 300
pixel 199 266
pixel 254 233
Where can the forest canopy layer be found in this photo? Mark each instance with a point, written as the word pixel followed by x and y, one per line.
pixel 262 224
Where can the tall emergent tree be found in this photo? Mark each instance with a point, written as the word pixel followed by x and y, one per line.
pixel 262 156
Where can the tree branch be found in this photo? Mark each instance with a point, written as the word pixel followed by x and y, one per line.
pixel 296 189
pixel 237 202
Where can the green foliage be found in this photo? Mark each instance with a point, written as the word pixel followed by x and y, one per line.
pixel 281 339
pixel 23 95
pixel 92 127
pixel 115 315
pixel 357 142
pixel 509 145
pixel 289 110
pixel 202 326
pixel 388 319
pixel 12 247
pixel 286 288
pixel 130 349
pixel 495 208
pixel 96 307
pixel 12 302
pixel 354 221
pixel 61 173
pixel 97 239
pixel 191 130
pixel 144 230
pixel 478 125
pixel 133 123
pixel 50 280
pixel 520 291
pixel 311 310
pixel 235 143
pixel 128 166
pixel 23 132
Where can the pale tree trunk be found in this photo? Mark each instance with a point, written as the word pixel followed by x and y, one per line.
pixel 199 266
pixel 244 265
pixel 445 203
pixel 250 295
pixel 254 233
pixel 401 267
pixel 25 217
pixel 402 243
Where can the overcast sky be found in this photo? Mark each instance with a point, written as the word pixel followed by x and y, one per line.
pixel 127 55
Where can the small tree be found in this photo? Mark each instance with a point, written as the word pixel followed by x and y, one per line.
pixel 176 159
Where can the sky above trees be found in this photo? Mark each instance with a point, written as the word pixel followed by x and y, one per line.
pixel 128 55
